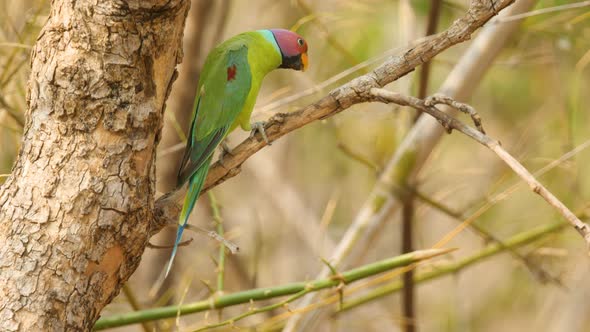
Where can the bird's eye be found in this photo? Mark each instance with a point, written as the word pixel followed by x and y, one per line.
pixel 300 42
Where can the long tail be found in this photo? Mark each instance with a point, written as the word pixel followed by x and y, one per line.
pixel 195 185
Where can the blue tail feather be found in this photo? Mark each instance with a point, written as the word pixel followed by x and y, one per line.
pixel 194 189
pixel 176 242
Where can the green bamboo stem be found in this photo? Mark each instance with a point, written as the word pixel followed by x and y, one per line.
pixel 255 311
pixel 492 249
pixel 134 303
pixel 223 301
pixel 487 236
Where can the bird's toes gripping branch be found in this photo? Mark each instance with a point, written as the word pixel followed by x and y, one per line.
pixel 224 151
pixel 259 127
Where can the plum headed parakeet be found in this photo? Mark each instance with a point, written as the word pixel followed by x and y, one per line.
pixel 226 94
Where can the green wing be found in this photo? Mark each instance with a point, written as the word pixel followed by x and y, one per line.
pixel 226 82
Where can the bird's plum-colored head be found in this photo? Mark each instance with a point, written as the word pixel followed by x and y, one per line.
pixel 293 49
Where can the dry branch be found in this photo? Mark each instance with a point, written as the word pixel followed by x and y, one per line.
pixel 354 92
pixel 428 106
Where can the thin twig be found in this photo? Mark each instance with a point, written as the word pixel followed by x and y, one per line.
pixel 350 58
pixel 220 232
pixel 355 155
pixel 17 116
pixel 505 194
pixel 450 123
pixel 541 11
pixel 233 248
pixel 170 246
pixel 171 149
pixel 254 311
pixel 537 270
pixel 433 18
pixel 17 45
pixel 461 107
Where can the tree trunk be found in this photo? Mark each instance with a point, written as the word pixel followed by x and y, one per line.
pixel 75 214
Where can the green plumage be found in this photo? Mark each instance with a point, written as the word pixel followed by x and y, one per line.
pixel 226 94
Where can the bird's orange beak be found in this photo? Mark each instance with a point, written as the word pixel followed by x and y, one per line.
pixel 304 61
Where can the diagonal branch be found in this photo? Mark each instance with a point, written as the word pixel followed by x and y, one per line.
pixel 354 92
pixel 428 106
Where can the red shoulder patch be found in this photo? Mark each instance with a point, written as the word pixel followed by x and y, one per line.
pixel 231 72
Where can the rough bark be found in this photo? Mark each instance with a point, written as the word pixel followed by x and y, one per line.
pixel 75 214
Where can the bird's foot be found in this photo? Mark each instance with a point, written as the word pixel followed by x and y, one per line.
pixel 224 151
pixel 259 126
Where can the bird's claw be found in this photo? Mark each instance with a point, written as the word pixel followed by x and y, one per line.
pixel 259 126
pixel 225 148
pixel 224 151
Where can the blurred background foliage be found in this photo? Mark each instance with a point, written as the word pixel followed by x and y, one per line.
pixel 294 200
